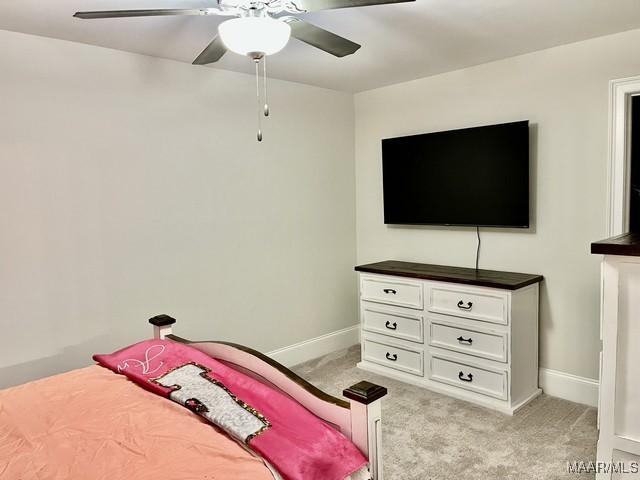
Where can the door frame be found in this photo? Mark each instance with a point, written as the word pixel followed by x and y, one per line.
pixel 620 93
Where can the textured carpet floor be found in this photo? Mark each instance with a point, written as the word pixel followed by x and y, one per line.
pixel 428 436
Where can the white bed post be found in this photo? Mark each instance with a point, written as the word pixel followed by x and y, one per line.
pixel 161 326
pixel 366 422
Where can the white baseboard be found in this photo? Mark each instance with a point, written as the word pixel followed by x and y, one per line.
pixel 317 347
pixel 557 384
pixel 570 387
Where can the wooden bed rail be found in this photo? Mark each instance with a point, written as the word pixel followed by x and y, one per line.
pixel 359 418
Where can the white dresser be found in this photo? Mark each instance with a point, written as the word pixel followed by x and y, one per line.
pixel 619 405
pixel 469 334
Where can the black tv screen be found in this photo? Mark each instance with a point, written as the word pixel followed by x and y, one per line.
pixel 470 177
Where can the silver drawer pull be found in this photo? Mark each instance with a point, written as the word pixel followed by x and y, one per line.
pixel 462 307
pixel 393 357
pixel 389 291
pixel 465 341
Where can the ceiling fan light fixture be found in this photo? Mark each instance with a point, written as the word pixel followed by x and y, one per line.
pixel 254 36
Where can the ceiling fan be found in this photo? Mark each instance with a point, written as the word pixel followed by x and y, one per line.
pixel 258 28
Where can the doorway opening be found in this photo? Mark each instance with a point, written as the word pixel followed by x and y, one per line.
pixel 634 187
pixel 624 156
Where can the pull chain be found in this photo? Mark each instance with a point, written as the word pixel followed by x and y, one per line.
pixel 264 76
pixel 259 136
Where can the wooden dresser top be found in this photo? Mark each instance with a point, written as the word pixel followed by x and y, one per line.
pixel 442 273
pixel 627 244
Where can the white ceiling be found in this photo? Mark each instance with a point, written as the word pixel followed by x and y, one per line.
pixel 400 42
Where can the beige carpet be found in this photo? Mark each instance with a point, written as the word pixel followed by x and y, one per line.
pixel 428 436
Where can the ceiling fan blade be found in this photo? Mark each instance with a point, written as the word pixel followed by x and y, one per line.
pixel 214 52
pixel 313 5
pixel 321 38
pixel 150 13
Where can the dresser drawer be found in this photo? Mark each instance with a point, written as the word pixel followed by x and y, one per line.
pixel 481 305
pixel 393 356
pixel 483 344
pixel 392 292
pixel 392 323
pixel 453 372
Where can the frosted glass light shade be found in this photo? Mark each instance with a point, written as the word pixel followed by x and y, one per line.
pixel 249 35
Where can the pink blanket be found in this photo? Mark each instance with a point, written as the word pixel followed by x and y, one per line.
pixel 296 442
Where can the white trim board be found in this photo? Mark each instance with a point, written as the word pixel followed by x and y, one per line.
pixel 554 383
pixel 317 347
pixel 570 387
pixel 620 93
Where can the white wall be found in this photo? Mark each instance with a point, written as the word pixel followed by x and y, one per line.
pixel 131 186
pixel 564 93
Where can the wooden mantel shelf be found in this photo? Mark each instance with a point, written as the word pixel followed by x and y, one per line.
pixel 627 244
pixel 468 276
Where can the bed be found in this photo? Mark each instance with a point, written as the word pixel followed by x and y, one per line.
pixel 93 423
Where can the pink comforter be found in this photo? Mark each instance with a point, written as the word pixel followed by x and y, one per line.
pixel 297 443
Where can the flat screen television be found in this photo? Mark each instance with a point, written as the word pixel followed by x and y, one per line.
pixel 469 177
